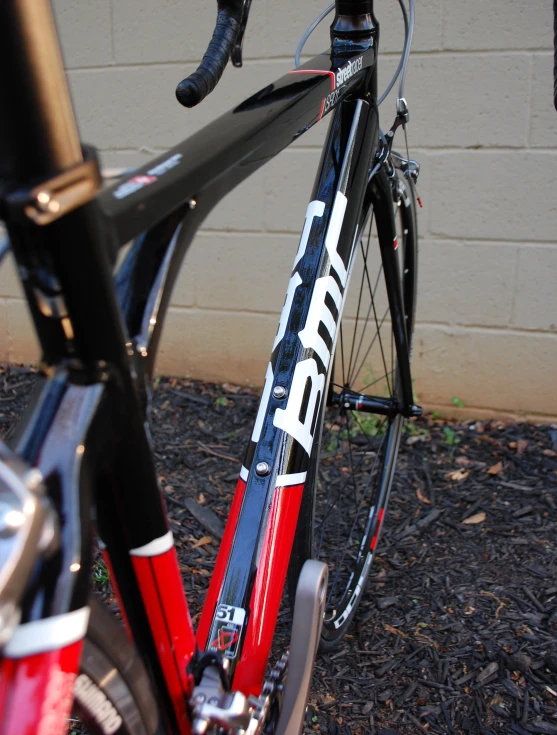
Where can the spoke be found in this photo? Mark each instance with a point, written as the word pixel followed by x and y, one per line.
pixel 339 564
pixel 373 382
pixel 381 347
pixel 377 433
pixel 342 487
pixel 329 485
pixel 360 295
pixel 372 292
pixel 337 385
pixel 371 345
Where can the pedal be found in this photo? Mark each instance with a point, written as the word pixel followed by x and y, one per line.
pixel 309 607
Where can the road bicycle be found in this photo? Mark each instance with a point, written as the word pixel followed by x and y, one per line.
pixel 314 485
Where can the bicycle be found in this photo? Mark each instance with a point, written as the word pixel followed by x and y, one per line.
pixel 81 455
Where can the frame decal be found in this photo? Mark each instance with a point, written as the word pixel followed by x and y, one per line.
pixel 226 631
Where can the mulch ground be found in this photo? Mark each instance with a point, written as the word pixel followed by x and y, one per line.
pixel 458 630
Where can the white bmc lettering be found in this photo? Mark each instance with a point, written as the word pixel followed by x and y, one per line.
pixel 315 209
pixel 263 404
pixel 94 699
pixel 307 379
pixel 288 419
pixel 320 312
pixel 285 313
pixel 333 234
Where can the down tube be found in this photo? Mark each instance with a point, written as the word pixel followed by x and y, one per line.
pixel 251 567
pixel 133 525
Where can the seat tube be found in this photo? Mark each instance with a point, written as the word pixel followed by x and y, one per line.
pixel 38 132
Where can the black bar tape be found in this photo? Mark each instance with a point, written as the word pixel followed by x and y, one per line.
pixel 198 85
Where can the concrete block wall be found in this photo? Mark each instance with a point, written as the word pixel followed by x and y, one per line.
pixel 482 126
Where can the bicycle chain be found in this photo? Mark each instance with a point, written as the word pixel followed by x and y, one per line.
pixel 268 705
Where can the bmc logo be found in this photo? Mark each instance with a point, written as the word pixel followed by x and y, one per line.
pixel 308 382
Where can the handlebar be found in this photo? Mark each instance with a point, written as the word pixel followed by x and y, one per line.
pixel 227 38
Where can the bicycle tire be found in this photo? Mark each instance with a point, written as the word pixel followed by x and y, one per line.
pixel 349 551
pixel 112 693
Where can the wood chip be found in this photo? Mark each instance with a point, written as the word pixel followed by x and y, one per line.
pixel 457 475
pixel 487 671
pixel 521 446
pixel 477 518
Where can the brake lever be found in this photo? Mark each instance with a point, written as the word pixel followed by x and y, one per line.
pixel 236 54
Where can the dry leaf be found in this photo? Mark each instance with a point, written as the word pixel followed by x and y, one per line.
pixel 458 475
pixel 549 453
pixel 521 446
pixel 203 542
pixel 463 461
pixel 422 497
pixel 496 469
pixel 477 518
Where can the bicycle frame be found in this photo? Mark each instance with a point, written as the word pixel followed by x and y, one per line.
pixel 85 426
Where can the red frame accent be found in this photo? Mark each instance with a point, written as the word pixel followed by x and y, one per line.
pixel 220 565
pixel 332 76
pixel 380 515
pixel 36 692
pixel 162 591
pixel 268 587
pixel 112 578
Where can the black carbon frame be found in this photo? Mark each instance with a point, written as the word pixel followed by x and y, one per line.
pixel 101 378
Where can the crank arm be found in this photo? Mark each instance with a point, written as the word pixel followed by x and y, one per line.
pixel 309 607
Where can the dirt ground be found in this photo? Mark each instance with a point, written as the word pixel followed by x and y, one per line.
pixel 457 632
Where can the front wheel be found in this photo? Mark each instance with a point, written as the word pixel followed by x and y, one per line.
pixel 354 456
